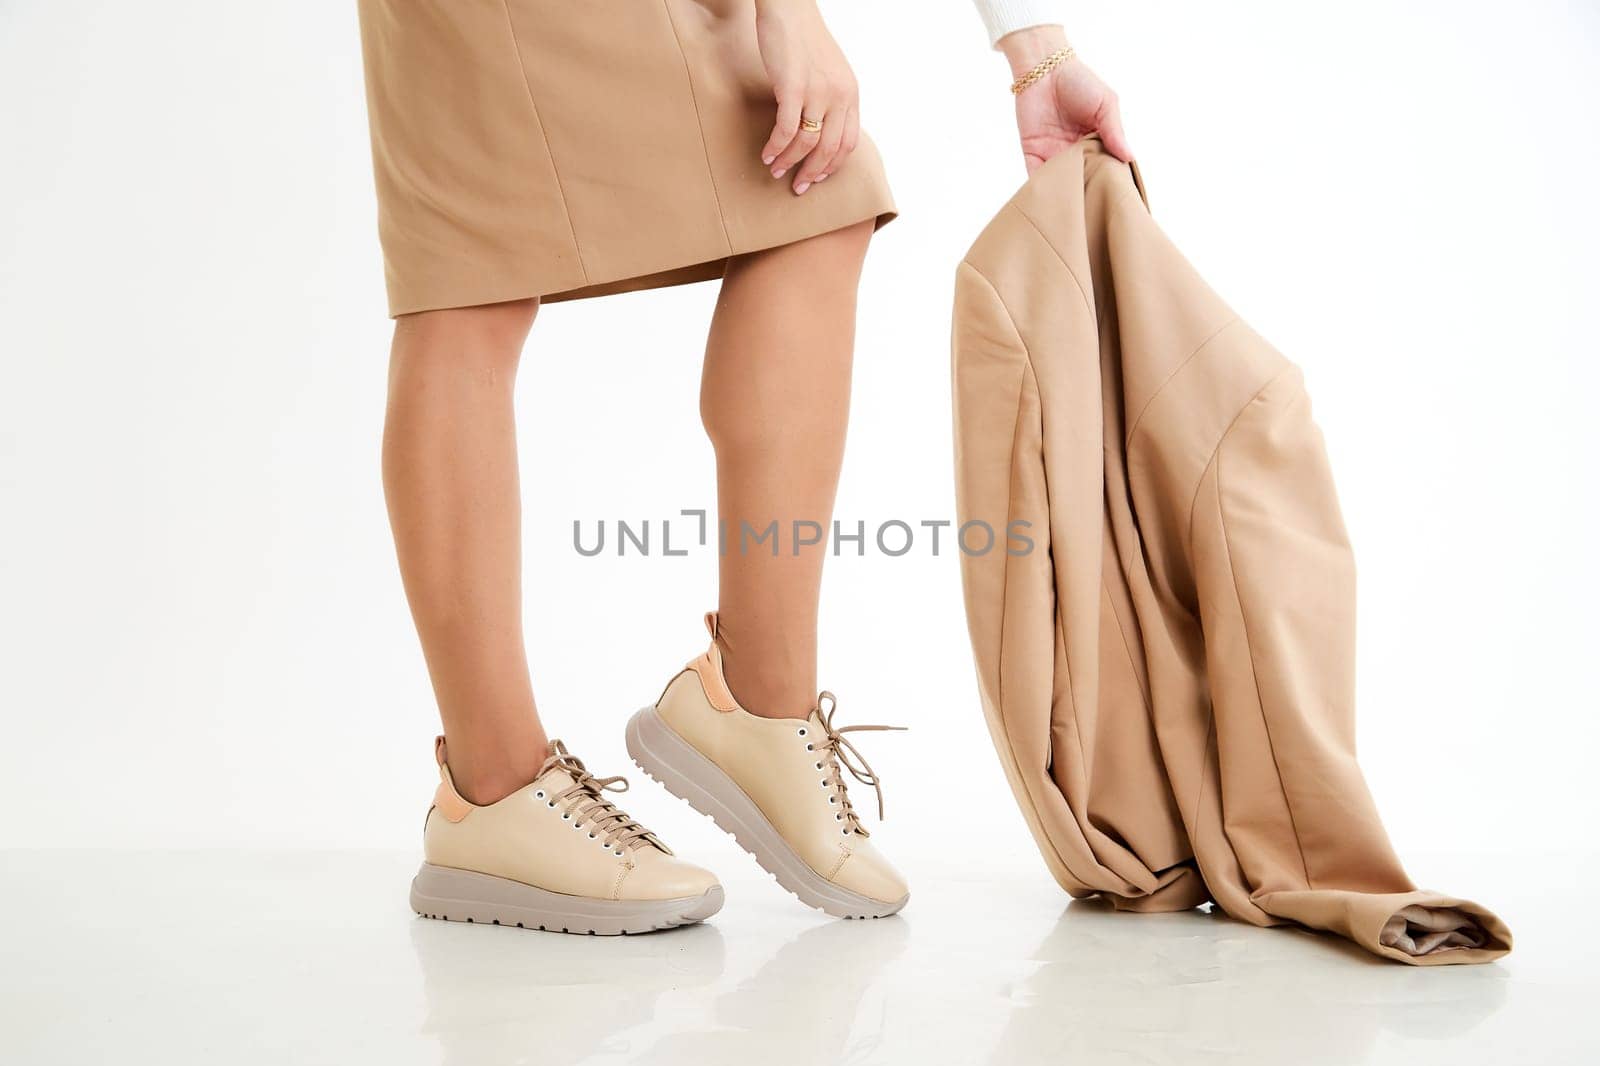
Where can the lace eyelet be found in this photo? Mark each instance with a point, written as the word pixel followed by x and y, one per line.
pixel 845 831
pixel 551 805
pixel 539 795
pixel 810 748
pixel 838 817
pixel 567 817
pixel 591 836
pixel 819 766
pixel 802 731
pixel 832 799
pixel 618 853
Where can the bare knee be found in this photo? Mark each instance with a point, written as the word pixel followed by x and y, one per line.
pixel 778 359
pixel 850 243
pixel 845 247
pixel 835 256
pixel 486 339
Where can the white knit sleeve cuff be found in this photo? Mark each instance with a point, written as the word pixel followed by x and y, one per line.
pixel 1001 17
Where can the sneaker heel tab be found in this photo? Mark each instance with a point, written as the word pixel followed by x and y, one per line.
pixel 708 668
pixel 446 799
pixel 712 625
pixel 448 802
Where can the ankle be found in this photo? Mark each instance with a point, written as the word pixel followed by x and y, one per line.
pixel 769 694
pixel 483 779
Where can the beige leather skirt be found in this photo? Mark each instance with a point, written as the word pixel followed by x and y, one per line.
pixel 571 148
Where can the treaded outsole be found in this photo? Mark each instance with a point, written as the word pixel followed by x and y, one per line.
pixel 482 899
pixel 566 929
pixel 860 907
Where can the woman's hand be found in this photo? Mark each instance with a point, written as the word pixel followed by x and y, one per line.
pixel 1065 104
pixel 814 85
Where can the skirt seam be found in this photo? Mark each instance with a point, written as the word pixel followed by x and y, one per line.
pixel 561 191
pixel 699 123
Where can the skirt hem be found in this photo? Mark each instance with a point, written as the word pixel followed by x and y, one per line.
pixel 686 274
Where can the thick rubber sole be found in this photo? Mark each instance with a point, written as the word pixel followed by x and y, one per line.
pixel 465 896
pixel 658 750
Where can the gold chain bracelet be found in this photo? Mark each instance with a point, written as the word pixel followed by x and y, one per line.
pixel 1041 68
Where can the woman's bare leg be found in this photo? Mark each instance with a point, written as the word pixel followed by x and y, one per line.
pixel 775 397
pixel 450 479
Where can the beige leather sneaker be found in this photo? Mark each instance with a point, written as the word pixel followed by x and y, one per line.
pixel 555 855
pixel 774 783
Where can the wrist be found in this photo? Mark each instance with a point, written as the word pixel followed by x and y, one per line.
pixel 1024 48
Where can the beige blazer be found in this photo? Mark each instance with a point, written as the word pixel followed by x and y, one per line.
pixel 1168 673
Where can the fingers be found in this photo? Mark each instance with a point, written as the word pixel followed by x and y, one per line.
pixel 815 131
pixel 822 157
pixel 790 100
pixel 803 141
pixel 1111 135
pixel 847 143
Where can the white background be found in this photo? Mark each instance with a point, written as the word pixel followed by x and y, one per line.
pixel 203 640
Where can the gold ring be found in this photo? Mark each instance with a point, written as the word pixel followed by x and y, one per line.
pixel 810 125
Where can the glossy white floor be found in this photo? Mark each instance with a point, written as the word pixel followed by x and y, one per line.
pixel 243 958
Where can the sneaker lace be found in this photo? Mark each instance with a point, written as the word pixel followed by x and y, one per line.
pixel 585 801
pixel 840 752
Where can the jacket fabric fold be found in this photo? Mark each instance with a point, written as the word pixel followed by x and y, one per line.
pixel 1168 672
